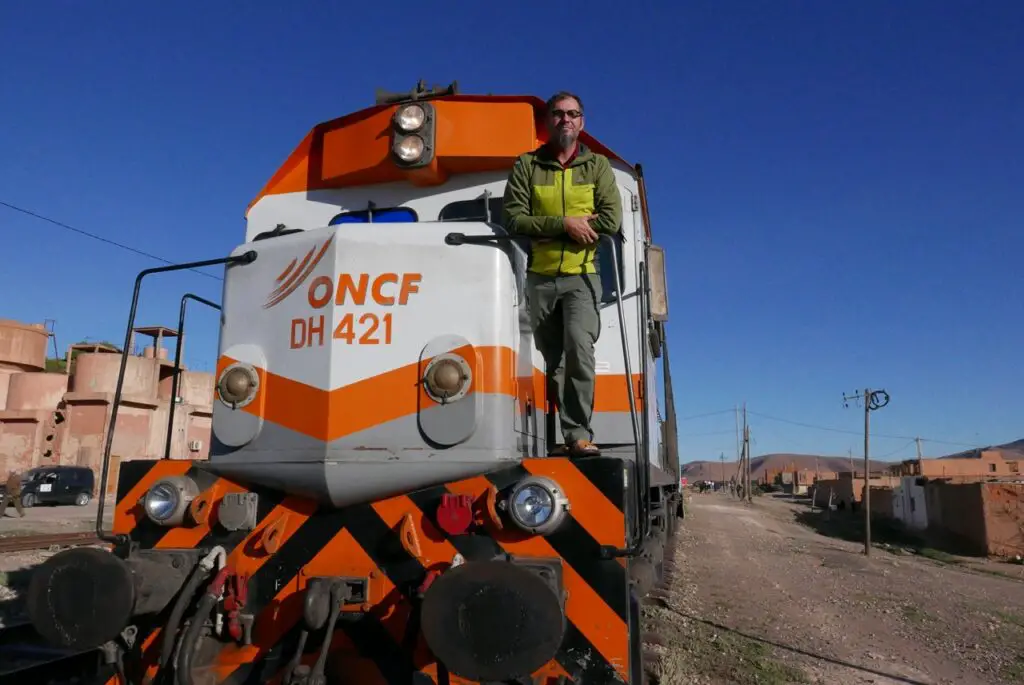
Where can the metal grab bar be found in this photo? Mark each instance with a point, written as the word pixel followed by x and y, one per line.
pixel 177 363
pixel 245 258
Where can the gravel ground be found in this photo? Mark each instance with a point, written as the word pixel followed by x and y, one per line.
pixel 758 596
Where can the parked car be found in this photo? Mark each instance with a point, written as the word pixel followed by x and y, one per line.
pixel 56 485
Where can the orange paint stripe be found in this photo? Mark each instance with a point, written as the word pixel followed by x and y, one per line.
pixel 610 392
pixel 584 607
pixel 329 415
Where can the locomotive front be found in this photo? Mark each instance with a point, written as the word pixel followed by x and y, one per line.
pixel 375 508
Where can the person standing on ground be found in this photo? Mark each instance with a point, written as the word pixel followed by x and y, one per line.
pixel 563 195
pixel 13 494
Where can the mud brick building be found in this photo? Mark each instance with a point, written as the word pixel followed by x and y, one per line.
pixel 61 416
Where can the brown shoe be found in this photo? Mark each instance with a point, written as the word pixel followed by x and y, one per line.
pixel 584 448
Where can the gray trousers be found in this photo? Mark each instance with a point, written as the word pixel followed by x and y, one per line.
pixel 566 324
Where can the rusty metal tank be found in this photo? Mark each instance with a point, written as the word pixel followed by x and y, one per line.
pixel 97 372
pixel 35 390
pixel 23 346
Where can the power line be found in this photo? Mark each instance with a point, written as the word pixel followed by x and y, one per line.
pixel 889 454
pixel 99 238
pixel 700 435
pixel 851 432
pixel 710 413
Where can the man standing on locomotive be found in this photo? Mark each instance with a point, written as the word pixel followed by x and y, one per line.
pixel 563 195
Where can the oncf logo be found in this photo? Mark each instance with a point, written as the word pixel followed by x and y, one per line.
pixel 295 274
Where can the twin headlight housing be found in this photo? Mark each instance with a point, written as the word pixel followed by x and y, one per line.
pixel 412 144
pixel 537 504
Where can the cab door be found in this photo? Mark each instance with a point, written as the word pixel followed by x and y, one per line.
pixel 65 487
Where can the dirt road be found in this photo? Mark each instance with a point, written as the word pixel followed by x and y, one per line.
pixel 757 597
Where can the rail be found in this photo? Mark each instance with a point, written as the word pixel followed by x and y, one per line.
pixel 23 543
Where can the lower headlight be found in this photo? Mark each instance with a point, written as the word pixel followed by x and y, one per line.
pixel 167 500
pixel 537 505
pixel 409 149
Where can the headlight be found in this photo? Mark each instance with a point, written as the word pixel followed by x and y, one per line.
pixel 237 385
pixel 409 149
pixel 537 505
pixel 410 118
pixel 447 378
pixel 167 500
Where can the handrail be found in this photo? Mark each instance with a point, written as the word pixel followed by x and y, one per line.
pixel 177 364
pixel 642 463
pixel 245 258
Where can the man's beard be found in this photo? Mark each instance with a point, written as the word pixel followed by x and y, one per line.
pixel 565 139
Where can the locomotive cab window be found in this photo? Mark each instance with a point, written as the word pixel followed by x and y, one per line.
pixel 387 215
pixel 473 210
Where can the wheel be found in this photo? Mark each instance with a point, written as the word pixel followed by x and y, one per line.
pixel 28 500
pixel 82 499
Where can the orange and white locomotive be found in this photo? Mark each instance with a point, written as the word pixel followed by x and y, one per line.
pixel 377 506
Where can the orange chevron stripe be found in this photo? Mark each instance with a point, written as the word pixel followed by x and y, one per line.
pixel 584 606
pixel 602 519
pixel 341 556
pixel 433 545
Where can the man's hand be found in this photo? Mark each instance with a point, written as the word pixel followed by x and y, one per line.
pixel 578 228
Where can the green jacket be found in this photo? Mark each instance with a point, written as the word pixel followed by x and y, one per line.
pixel 539 193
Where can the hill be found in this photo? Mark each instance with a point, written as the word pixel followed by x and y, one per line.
pixel 1009 450
pixel 712 470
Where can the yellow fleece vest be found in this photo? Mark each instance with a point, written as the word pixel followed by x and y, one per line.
pixel 562 198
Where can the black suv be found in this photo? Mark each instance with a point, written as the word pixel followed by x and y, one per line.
pixel 57 485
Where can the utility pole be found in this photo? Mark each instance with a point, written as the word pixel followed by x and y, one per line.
pixel 746 453
pixel 721 459
pixel 746 441
pixel 737 411
pixel 918 441
pixel 873 400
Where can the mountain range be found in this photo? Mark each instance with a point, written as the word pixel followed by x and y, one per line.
pixel 715 470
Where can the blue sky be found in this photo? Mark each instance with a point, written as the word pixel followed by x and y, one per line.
pixel 837 184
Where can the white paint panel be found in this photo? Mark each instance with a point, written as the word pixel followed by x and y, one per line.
pixel 465 290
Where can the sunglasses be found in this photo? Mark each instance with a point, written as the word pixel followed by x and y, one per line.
pixel 563 113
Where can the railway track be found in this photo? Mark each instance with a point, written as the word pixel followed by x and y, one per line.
pixel 22 543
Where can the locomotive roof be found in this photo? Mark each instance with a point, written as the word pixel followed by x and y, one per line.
pixel 474 133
